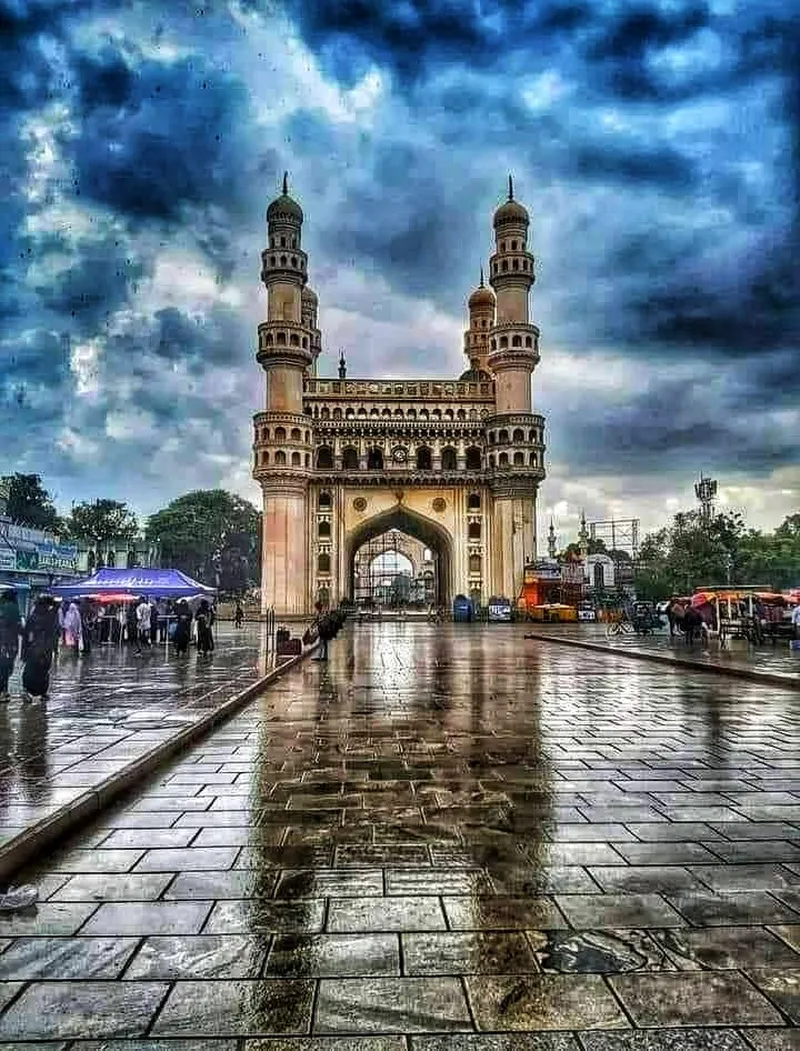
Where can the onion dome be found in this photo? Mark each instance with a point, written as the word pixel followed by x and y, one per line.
pixel 285 207
pixel 474 376
pixel 510 211
pixel 308 296
pixel 482 296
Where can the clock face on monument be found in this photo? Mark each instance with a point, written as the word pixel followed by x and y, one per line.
pixel 399 455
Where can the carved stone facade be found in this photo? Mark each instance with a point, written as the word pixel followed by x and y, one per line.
pixel 455 464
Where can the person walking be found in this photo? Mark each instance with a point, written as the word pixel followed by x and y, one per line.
pixel 325 632
pixel 205 636
pixel 796 621
pixel 153 622
pixel 183 627
pixel 238 616
pixel 10 631
pixel 38 643
pixel 62 616
pixel 162 607
pixel 73 628
pixel 142 625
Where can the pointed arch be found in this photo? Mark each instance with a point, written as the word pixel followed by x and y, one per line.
pixel 422 528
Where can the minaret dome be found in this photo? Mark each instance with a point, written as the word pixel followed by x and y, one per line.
pixel 285 207
pixel 510 211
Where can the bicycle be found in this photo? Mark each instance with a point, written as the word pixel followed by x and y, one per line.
pixel 623 626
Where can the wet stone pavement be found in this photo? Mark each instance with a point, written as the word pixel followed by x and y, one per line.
pixel 106 710
pixel 445 839
pixel 769 658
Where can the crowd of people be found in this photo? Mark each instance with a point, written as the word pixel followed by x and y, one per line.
pixel 79 625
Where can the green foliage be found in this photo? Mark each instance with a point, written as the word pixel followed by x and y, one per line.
pixel 101 522
pixel 694 551
pixel 30 504
pixel 595 546
pixel 212 535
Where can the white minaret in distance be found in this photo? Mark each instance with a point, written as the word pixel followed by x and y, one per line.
pixel 287 348
pixel 515 434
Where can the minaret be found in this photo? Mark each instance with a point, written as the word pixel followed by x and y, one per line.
pixel 515 436
pixel 514 341
pixel 282 432
pixel 583 537
pixel 308 309
pixel 551 540
pixel 481 305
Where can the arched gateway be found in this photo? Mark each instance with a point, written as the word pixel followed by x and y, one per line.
pixel 453 464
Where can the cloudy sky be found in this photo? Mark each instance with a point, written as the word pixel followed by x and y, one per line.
pixel 656 145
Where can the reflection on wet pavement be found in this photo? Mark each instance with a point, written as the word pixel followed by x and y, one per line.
pixel 445 839
pixel 767 657
pixel 104 711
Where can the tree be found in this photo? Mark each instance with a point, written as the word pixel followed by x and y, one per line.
pixel 212 535
pixel 101 523
pixel 30 504
pixel 594 546
pixel 695 550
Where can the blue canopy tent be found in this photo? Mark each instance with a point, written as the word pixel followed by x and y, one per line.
pixel 154 583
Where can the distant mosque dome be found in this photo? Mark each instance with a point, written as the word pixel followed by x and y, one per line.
pixel 474 376
pixel 309 296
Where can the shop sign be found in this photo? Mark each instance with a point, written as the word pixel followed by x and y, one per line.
pixel 27 561
pixel 58 556
pixel 8 559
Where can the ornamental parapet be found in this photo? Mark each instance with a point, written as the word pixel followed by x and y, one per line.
pixel 284 264
pixel 399 429
pixel 284 342
pixel 515 419
pixel 505 486
pixel 513 358
pixel 283 443
pixel 392 477
pixel 279 483
pixel 392 390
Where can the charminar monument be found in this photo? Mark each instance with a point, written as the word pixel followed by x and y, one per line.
pixel 452 464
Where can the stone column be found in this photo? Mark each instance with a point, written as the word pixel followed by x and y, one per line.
pixel 284 560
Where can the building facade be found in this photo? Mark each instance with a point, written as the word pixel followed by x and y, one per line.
pixel 453 464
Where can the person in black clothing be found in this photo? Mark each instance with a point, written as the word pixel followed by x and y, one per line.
pixel 183 626
pixel 37 647
pixel 205 638
pixel 238 617
pixel 10 631
pixel 131 626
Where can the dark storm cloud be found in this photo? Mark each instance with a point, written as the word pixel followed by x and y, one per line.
pixel 174 336
pixel 676 422
pixel 100 278
pixel 153 137
pixel 621 49
pixel 656 145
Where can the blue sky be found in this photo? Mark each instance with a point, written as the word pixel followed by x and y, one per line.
pixel 656 145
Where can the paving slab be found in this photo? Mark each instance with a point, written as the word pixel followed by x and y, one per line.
pixel 775 664
pixel 107 712
pixel 516 848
